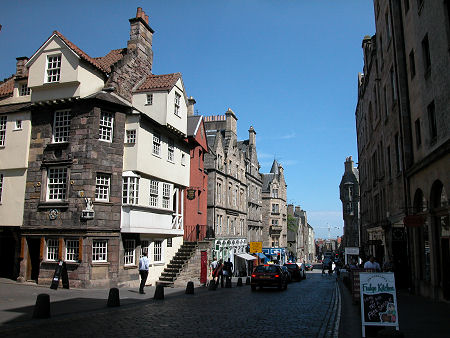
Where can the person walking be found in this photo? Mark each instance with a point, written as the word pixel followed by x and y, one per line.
pixel 143 270
pixel 372 265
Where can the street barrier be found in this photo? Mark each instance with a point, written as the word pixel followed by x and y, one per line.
pixel 113 297
pixel 190 288
pixel 239 282
pixel 159 292
pixel 42 307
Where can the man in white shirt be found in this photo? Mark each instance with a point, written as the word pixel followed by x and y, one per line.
pixel 371 264
pixel 143 270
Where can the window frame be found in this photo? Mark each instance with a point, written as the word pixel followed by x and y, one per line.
pixel 1 187
pixel 166 191
pixel 156 149
pixel 3 126
pixel 130 136
pixel 106 127
pixel 101 185
pixel 75 248
pixel 149 99
pixel 52 250
pixel 129 252
pixel 61 126
pixel 170 150
pixel 177 103
pixel 104 250
pixel 24 90
pixel 154 193
pixel 52 71
pixel 127 183
pixel 155 252
pixel 54 185
pixel 426 55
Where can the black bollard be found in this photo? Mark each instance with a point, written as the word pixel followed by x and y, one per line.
pixel 228 283
pixel 212 286
pixel 159 292
pixel 239 282
pixel 42 307
pixel 190 288
pixel 113 298
pixel 247 281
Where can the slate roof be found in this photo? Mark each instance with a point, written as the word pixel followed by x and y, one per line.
pixel 107 97
pixel 7 87
pixel 266 179
pixel 111 58
pixel 159 82
pixel 274 169
pixel 192 123
pixel 10 108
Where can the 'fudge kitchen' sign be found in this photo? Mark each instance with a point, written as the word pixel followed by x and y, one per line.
pixel 378 299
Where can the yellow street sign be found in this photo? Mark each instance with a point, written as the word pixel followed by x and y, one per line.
pixel 255 247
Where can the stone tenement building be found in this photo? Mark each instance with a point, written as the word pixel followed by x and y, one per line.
pixel 402 120
pixel 76 182
pixel 227 186
pixel 349 195
pixel 274 208
pixel 303 239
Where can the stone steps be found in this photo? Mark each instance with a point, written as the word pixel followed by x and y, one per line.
pixel 173 269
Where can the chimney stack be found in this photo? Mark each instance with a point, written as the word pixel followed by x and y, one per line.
pixel 190 107
pixel 348 164
pixel 141 34
pixel 252 136
pixel 21 68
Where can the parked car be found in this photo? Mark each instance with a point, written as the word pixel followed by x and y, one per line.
pixel 269 275
pixel 294 270
pixel 288 272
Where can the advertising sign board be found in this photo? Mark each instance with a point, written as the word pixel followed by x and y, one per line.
pixel 378 300
pixel 255 247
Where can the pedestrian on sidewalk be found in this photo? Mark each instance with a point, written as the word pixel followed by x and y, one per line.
pixel 143 270
pixel 372 264
pixel 218 273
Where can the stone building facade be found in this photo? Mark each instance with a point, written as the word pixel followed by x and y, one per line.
pixel 92 197
pixel 349 195
pixel 254 187
pixel 403 143
pixel 274 197
pixel 227 187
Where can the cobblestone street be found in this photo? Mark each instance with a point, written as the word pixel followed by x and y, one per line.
pixel 309 308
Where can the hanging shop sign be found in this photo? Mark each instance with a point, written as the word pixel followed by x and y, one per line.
pixel 255 247
pixel 190 194
pixel 378 300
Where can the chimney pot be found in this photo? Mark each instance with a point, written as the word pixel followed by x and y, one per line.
pixel 146 19
pixel 139 12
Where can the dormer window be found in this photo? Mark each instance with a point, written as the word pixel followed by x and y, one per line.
pixel 177 104
pixel 24 90
pixel 53 68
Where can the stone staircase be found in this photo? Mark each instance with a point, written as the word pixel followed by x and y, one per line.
pixel 173 269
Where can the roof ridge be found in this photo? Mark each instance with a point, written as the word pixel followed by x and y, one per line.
pixel 82 54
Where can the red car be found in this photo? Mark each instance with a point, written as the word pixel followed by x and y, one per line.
pixel 269 275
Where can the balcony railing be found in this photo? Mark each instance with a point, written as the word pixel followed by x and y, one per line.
pixel 198 232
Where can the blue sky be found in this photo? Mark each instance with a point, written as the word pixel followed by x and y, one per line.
pixel 288 68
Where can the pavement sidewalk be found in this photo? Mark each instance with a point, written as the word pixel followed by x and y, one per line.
pixel 17 300
pixel 418 317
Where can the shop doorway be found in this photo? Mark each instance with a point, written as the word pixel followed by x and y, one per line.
pixel 34 260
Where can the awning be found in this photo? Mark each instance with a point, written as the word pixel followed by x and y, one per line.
pixel 246 256
pixel 261 255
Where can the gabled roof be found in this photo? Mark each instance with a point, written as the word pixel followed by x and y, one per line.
pixel 7 87
pixel 81 54
pixel 267 179
pixel 159 82
pixel 111 58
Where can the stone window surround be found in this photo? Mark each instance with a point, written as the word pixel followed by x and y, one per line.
pixel 129 256
pixel 99 249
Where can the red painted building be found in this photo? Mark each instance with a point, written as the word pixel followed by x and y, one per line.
pixel 195 197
